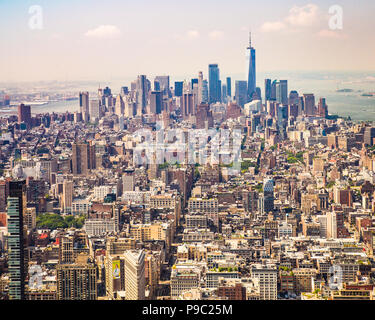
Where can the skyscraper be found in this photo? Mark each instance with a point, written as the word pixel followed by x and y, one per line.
pixel 293 111
pixel 156 85
pixel 67 198
pixel 294 98
pixel 128 180
pixel 130 108
pixel 4 192
pixel 178 88
pixel 83 158
pixel 164 84
pixel 204 91
pixel 24 114
pixel 219 84
pixel 84 105
pixel 224 92
pixel 322 108
pixel 109 103
pixel 135 275
pixel 115 274
pixel 282 92
pixel 267 201
pixel 229 87
pixel 309 104
pixel 193 82
pixel 66 249
pixel 203 119
pixel 195 92
pixel 107 91
pixel 16 263
pixel 213 81
pixel 369 135
pixel 251 80
pixel 200 86
pixel 94 110
pixel 335 223
pixel 241 92
pixel 258 94
pixel 142 89
pixel 273 90
pixel 124 91
pixel 187 105
pixel 156 102
pixel 267 90
pixel 282 117
pixel 119 106
pixel 77 281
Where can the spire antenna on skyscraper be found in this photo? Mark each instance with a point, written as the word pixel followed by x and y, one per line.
pixel 249 40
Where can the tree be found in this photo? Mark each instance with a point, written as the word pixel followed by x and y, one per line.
pixel 330 184
pixel 259 187
pixel 54 221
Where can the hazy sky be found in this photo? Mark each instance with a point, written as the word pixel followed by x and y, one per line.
pixel 113 39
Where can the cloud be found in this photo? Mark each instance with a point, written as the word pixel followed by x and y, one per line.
pixel 331 34
pixel 216 34
pixel 273 26
pixel 104 31
pixel 304 16
pixel 192 34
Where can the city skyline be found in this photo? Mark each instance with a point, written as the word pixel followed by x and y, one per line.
pixel 191 152
pixel 161 39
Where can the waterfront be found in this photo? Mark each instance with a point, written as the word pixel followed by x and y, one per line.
pixel 323 84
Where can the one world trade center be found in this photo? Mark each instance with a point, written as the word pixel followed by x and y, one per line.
pixel 251 80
